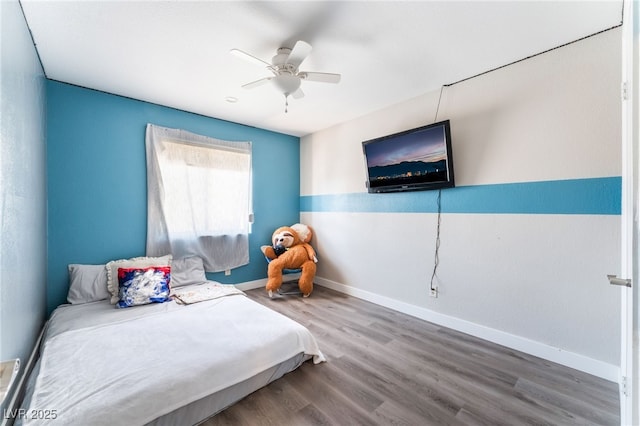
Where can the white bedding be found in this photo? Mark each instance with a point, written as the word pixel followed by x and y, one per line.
pixel 103 366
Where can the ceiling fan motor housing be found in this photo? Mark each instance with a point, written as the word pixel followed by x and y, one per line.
pixel 279 61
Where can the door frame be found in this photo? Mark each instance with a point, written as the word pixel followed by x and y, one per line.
pixel 629 317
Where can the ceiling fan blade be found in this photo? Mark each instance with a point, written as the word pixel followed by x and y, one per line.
pixel 247 57
pixel 322 77
pixel 299 52
pixel 256 83
pixel 298 94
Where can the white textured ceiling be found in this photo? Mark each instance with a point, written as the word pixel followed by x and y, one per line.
pixel 176 53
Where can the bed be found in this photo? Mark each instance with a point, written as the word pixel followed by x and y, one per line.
pixel 165 363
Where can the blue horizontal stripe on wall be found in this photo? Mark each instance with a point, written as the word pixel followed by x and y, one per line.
pixel 597 196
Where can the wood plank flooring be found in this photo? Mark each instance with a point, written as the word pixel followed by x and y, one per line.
pixel 388 368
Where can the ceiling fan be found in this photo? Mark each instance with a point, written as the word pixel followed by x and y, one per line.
pixel 285 68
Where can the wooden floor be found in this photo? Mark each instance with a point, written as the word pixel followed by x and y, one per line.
pixel 388 368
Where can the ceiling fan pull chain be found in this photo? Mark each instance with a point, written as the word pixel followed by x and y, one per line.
pixel 286 104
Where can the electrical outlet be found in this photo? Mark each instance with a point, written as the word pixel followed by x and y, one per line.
pixel 433 292
pixel 227 272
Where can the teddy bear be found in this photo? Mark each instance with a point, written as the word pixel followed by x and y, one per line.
pixel 290 249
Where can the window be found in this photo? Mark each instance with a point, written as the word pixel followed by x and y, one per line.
pixel 199 197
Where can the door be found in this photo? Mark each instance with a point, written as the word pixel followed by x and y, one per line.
pixel 629 389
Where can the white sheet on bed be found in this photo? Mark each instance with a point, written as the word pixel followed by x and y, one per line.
pixel 105 366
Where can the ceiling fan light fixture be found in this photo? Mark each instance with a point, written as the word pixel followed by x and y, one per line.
pixel 287 84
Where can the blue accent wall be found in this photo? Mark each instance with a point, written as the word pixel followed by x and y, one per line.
pixel 599 196
pixel 97 184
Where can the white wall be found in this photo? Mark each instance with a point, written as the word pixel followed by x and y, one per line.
pixel 534 281
pixel 22 186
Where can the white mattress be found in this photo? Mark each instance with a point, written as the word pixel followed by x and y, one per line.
pixel 102 366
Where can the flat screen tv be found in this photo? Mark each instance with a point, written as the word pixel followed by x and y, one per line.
pixel 412 160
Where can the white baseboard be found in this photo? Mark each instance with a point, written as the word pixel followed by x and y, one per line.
pixel 570 359
pixel 250 285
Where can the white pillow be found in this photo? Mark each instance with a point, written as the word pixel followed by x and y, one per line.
pixel 136 262
pixel 87 283
pixel 186 271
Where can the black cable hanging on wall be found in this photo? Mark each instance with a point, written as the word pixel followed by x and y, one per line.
pixel 436 257
pixel 436 262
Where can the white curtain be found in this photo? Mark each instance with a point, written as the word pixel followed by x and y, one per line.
pixel 198 197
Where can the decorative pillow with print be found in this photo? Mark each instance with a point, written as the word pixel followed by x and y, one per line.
pixel 141 286
pixel 136 262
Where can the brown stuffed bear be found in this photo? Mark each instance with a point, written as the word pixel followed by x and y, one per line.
pixel 290 249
